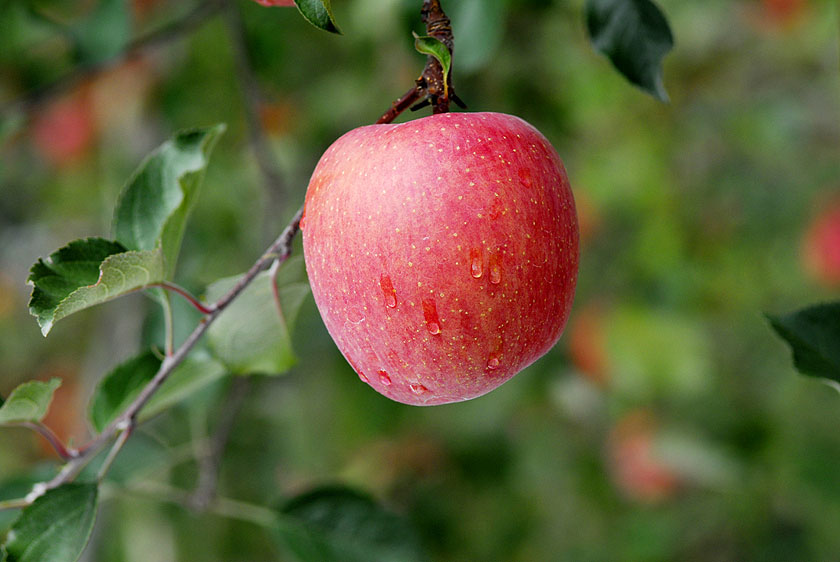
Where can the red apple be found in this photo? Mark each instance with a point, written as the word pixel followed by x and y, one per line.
pixel 821 246
pixel 636 468
pixel 442 252
pixel 276 2
pixel 64 131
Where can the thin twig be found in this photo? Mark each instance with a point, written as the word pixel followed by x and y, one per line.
pixel 169 32
pixel 225 507
pixel 112 454
pixel 64 452
pixel 252 100
pixel 209 464
pixel 197 304
pixel 279 250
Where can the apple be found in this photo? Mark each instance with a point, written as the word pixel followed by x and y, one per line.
pixel 442 252
pixel 821 246
pixel 270 3
pixel 636 468
pixel 64 131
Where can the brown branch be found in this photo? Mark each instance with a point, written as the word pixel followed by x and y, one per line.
pixel 279 251
pixel 432 86
pixel 169 32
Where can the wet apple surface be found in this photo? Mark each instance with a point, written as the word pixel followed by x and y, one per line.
pixel 442 252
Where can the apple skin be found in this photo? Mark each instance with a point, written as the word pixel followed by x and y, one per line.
pixel 442 252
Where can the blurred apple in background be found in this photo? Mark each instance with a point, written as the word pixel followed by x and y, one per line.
pixel 63 130
pixel 637 470
pixel 821 245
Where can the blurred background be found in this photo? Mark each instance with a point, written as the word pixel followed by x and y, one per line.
pixel 667 424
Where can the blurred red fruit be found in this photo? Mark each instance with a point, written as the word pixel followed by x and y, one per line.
pixel 275 2
pixel 821 246
pixel 635 468
pixel 65 416
pixel 64 131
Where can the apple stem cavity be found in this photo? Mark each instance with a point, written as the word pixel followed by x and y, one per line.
pixel 433 87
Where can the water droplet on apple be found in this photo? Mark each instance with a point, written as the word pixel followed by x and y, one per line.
pixel 525 177
pixel 388 291
pixel 384 378
pixel 493 362
pixel 495 270
pixel 431 316
pixel 475 263
pixel 418 389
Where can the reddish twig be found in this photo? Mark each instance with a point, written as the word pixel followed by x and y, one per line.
pixel 55 442
pixel 197 304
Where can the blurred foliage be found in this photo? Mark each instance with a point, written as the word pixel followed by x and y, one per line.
pixel 673 430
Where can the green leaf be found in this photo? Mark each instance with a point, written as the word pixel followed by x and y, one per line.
pixel 635 36
pixel 86 273
pixel 121 386
pixel 434 47
pixel 154 205
pixel 18 486
pixel 337 524
pixel 28 402
pixel 250 336
pixel 813 334
pixel 103 33
pixel 318 13
pixel 56 527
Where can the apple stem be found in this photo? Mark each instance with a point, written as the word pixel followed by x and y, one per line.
pixel 432 87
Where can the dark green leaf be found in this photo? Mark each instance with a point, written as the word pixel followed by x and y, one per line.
pixel 86 273
pixel 18 486
pixel 251 336
pixel 28 402
pixel 56 527
pixel 122 385
pixel 431 46
pixel 154 205
pixel 3 553
pixel 318 13
pixel 103 33
pixel 813 334
pixel 635 35
pixel 336 524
